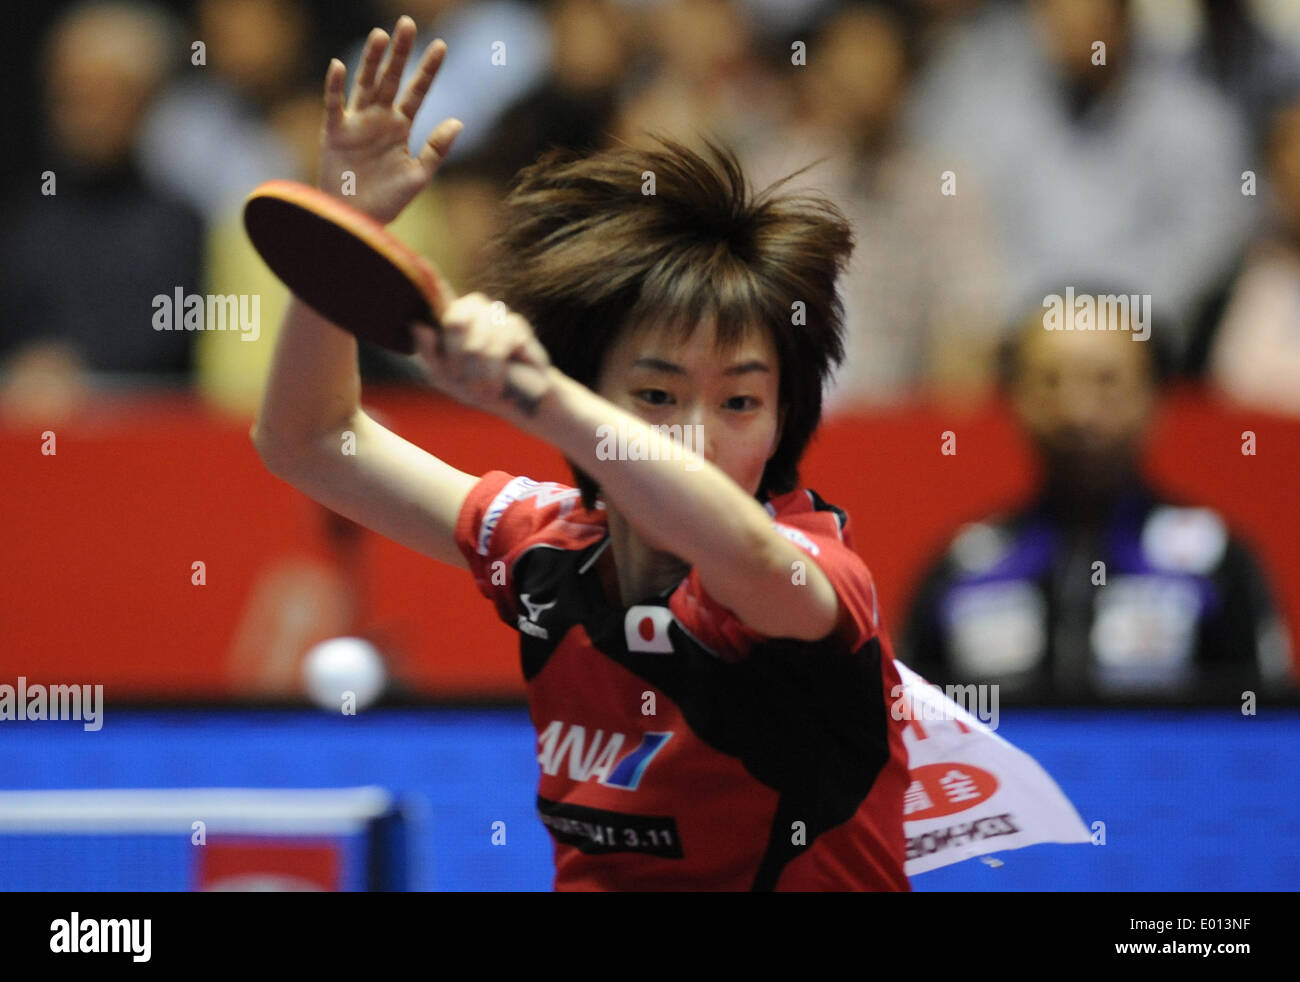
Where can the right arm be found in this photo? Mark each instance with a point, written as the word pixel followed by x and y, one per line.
pixel 386 483
pixel 313 396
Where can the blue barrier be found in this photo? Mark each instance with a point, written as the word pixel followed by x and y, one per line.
pixel 1191 800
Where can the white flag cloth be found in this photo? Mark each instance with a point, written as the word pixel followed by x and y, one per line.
pixel 971 791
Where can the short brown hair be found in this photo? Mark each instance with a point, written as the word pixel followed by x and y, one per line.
pixel 585 252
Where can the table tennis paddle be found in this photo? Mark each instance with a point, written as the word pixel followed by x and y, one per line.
pixel 355 273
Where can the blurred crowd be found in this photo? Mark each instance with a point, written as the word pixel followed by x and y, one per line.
pixel 988 152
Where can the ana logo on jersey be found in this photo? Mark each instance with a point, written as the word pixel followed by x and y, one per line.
pixel 529 624
pixel 598 759
pixel 645 628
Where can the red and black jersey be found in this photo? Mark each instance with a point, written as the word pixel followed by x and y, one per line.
pixel 679 749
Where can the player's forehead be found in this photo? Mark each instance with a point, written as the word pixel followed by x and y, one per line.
pixel 699 348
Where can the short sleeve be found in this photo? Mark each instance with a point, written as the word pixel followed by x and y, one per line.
pixel 500 515
pixel 820 535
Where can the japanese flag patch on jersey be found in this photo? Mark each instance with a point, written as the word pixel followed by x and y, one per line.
pixel 646 629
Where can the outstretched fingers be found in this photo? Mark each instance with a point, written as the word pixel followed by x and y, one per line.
pixel 363 87
pixel 398 52
pixel 435 150
pixel 419 85
pixel 335 77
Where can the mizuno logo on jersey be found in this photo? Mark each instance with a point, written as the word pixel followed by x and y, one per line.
pixel 597 757
pixel 529 624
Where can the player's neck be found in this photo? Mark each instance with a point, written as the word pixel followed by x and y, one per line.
pixel 630 571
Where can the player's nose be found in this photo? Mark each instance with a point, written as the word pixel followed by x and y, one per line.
pixel 695 435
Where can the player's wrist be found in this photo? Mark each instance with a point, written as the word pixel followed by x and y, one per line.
pixel 340 183
pixel 532 401
pixel 569 417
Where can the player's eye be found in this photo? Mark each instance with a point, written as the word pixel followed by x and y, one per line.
pixel 742 403
pixel 655 397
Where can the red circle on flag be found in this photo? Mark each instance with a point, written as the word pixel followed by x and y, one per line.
pixel 945 789
pixel 646 628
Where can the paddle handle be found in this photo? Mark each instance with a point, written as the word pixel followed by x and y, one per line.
pixel 525 384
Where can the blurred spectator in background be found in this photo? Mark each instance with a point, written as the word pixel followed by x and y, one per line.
pixel 774 17
pixel 208 138
pixel 937 17
pixel 920 294
pixel 1254 352
pixel 1097 588
pixel 1106 170
pixel 573 105
pixel 699 77
pixel 87 248
pixel 1246 54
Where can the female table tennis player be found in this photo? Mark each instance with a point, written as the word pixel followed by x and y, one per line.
pixel 704 661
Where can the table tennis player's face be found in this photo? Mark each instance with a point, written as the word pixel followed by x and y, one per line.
pixel 730 394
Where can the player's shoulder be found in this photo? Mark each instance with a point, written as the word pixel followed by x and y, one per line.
pixel 808 520
pixel 825 532
pixel 505 511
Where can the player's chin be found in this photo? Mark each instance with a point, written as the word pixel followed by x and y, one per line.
pixel 748 479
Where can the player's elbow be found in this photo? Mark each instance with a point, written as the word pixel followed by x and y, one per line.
pixel 278 455
pixel 794 597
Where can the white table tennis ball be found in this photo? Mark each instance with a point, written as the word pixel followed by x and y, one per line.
pixel 342 665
